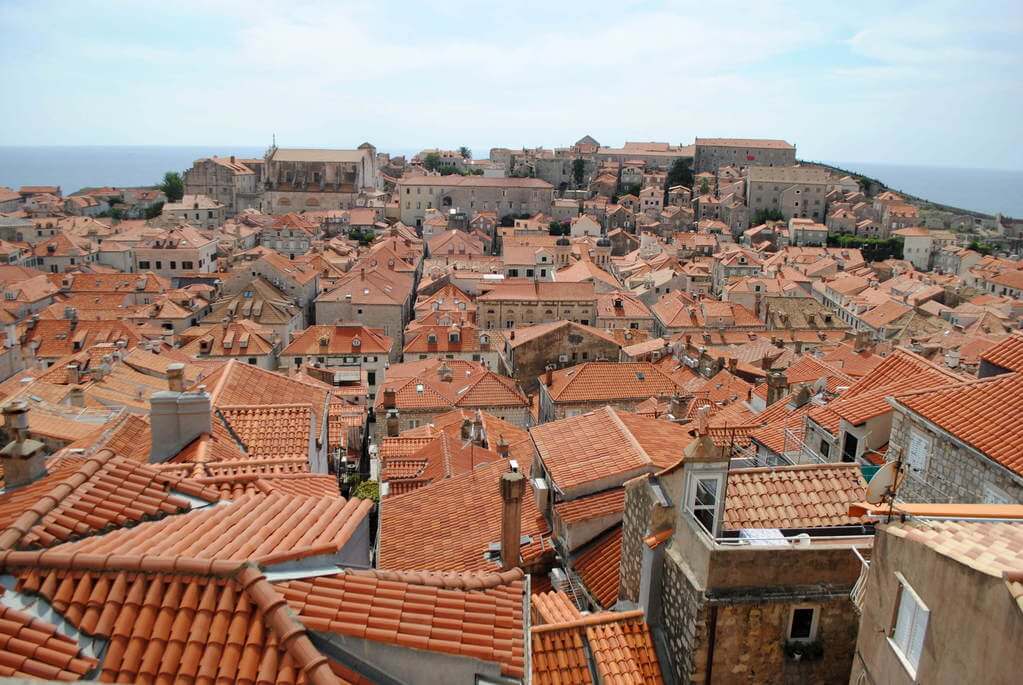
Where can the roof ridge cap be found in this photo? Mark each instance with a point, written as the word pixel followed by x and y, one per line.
pixel 632 440
pixel 599 618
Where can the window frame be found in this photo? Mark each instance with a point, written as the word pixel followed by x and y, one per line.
pixel 691 505
pixel 814 622
pixel 910 662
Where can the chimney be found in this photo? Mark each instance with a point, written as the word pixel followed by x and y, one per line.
pixel 861 341
pixel 733 363
pixel 444 372
pixel 73 375
pixel 176 419
pixel 390 398
pixel 23 459
pixel 503 449
pixel 477 428
pixel 176 377
pixel 777 384
pixel 513 486
pixel 466 429
pixel 548 376
pixel 393 423
pixel 677 408
pixel 76 397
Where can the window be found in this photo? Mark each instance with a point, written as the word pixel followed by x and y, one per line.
pixel 143 265
pixel 703 498
pixel 187 265
pixel 907 635
pixel 174 265
pixel 803 624
pixel 252 360
pixel 919 446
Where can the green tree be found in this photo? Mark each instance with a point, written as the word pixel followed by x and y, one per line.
pixel 983 248
pixel 762 216
pixel 173 187
pixel 432 161
pixel 579 171
pixel 632 189
pixel 465 152
pixel 704 187
pixel 154 211
pixel 679 174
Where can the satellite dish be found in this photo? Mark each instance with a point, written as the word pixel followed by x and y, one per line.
pixel 884 483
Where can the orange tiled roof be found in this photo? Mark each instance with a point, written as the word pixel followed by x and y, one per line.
pixel 479 617
pixel 34 648
pixel 982 413
pixel 170 619
pixel 416 528
pixel 553 607
pixel 597 567
pixel 280 431
pixel 340 340
pixel 236 383
pixel 594 381
pixel 605 445
pixel 1007 354
pixel 79 498
pixel 592 506
pixel 621 646
pixel 804 496
pixel 270 529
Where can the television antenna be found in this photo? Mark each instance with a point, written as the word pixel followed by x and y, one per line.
pixel 885 484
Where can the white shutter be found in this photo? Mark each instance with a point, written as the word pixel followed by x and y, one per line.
pixel 916 640
pixel 904 620
pixel 919 447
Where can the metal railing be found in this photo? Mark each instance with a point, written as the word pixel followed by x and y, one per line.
pixel 859 589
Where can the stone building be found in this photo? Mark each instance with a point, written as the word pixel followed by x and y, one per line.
pixel 342 349
pixel 505 196
pixel 771 609
pixel 941 600
pixel 527 352
pixel 226 180
pixel 176 253
pixel 525 303
pixel 198 210
pixel 959 441
pixel 795 191
pixel 713 153
pixel 374 297
pixel 299 178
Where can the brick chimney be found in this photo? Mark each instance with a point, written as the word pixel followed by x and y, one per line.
pixel 390 399
pixel 176 419
pixel 176 377
pixel 513 487
pixel 444 372
pixel 73 375
pixel 466 429
pixel 548 376
pixel 502 447
pixel 23 459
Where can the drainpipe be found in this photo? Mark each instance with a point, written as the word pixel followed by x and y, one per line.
pixel 712 629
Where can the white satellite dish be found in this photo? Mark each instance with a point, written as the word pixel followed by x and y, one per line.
pixel 884 483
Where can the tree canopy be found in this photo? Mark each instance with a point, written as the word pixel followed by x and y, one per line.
pixel 173 186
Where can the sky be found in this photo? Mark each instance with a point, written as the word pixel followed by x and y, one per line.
pixel 930 83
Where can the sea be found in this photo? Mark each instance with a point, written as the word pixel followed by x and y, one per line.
pixel 74 167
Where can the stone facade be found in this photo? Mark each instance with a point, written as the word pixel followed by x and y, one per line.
pixel 714 153
pixel 471 194
pixel 635 524
pixel 953 471
pixel 225 180
pixel 561 347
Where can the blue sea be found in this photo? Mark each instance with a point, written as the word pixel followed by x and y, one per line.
pixel 982 190
pixel 75 167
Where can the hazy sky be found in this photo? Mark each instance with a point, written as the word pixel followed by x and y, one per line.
pixel 908 82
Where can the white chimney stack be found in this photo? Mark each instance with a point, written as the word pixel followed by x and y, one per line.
pixel 176 419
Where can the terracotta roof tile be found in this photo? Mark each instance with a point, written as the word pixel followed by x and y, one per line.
pixel 280 431
pixel 805 496
pixel 592 506
pixel 982 413
pixel 83 498
pixel 605 445
pixel 168 619
pixel 553 607
pixel 416 528
pixel 485 623
pixel 610 381
pixel 33 648
pixel 597 567
pixel 1007 354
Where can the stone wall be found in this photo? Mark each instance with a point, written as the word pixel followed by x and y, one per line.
pixel 530 359
pixel 749 639
pixel 683 613
pixel 953 473
pixel 635 524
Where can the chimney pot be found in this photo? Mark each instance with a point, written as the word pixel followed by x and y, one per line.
pixel 176 377
pixel 23 459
